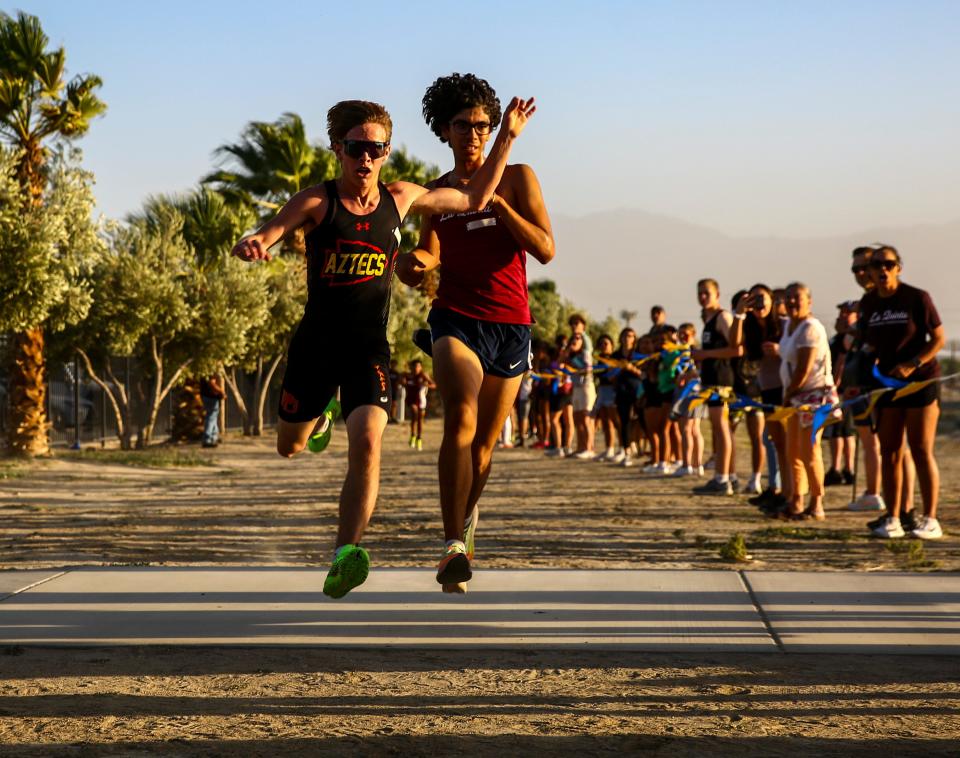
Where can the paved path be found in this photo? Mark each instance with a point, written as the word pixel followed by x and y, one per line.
pixel 685 611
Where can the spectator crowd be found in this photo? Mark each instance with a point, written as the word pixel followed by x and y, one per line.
pixel 760 360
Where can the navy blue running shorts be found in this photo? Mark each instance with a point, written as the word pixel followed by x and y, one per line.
pixel 503 349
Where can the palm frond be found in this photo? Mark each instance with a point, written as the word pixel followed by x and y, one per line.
pixel 24 43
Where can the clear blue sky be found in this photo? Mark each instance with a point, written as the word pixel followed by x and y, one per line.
pixel 794 119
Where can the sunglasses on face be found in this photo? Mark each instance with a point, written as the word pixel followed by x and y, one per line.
pixel 463 127
pixel 887 264
pixel 355 148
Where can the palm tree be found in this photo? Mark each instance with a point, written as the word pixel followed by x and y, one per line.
pixel 628 316
pixel 37 106
pixel 271 162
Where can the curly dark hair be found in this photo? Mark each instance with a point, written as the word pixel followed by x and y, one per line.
pixel 449 95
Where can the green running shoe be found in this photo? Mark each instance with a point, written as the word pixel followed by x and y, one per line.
pixel 318 442
pixel 349 570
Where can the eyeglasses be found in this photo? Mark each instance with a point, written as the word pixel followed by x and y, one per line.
pixel 463 127
pixel 355 148
pixel 858 269
pixel 887 264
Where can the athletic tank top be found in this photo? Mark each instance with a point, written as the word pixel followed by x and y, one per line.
pixel 483 270
pixel 350 262
pixel 715 372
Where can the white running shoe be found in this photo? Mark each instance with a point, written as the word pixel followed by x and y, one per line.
pixel 700 471
pixel 555 452
pixel 619 457
pixel 585 455
pixel 867 502
pixel 609 454
pixel 928 529
pixel 889 529
pixel 752 488
pixel 653 468
pixel 627 461
pixel 683 471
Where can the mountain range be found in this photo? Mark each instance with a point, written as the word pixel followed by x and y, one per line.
pixel 630 259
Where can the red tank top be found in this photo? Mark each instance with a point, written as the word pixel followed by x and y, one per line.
pixel 483 270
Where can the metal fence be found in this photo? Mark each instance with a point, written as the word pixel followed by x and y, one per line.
pixel 80 413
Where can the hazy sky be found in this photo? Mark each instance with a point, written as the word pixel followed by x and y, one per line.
pixel 755 118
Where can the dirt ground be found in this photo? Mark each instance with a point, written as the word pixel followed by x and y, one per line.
pixel 251 507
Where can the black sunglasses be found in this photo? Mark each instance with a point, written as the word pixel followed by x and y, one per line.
pixel 888 264
pixel 355 148
pixel 858 269
pixel 463 127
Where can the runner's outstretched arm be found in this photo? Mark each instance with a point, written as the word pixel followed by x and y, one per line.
pixel 307 204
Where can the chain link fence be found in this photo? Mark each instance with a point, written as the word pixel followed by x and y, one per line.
pixel 80 413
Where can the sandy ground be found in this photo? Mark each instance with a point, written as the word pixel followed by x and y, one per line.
pixel 251 507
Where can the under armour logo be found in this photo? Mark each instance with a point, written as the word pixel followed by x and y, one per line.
pixel 363 226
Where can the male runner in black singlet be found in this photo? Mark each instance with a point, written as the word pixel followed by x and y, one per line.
pixel 352 235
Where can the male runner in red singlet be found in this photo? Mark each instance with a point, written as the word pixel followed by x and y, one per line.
pixel 480 321
pixel 352 235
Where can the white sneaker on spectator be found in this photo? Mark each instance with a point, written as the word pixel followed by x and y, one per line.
pixel 700 471
pixel 585 455
pixel 867 502
pixel 752 488
pixel 889 529
pixel 633 450
pixel 555 452
pixel 652 468
pixel 928 529
pixel 627 461
pixel 609 454
pixel 619 457
pixel 683 471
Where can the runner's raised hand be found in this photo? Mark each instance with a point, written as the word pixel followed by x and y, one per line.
pixel 517 115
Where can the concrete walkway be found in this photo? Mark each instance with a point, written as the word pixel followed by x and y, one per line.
pixel 680 611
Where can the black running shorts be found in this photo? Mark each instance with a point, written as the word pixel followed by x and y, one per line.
pixel 318 362
pixel 503 349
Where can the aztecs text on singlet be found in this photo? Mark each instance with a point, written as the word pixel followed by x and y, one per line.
pixel 350 263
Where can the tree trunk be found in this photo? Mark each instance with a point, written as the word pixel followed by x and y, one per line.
pixel 29 430
pixel 28 434
pixel 234 387
pixel 117 395
pixel 257 384
pixel 188 413
pixel 158 391
pixel 264 391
